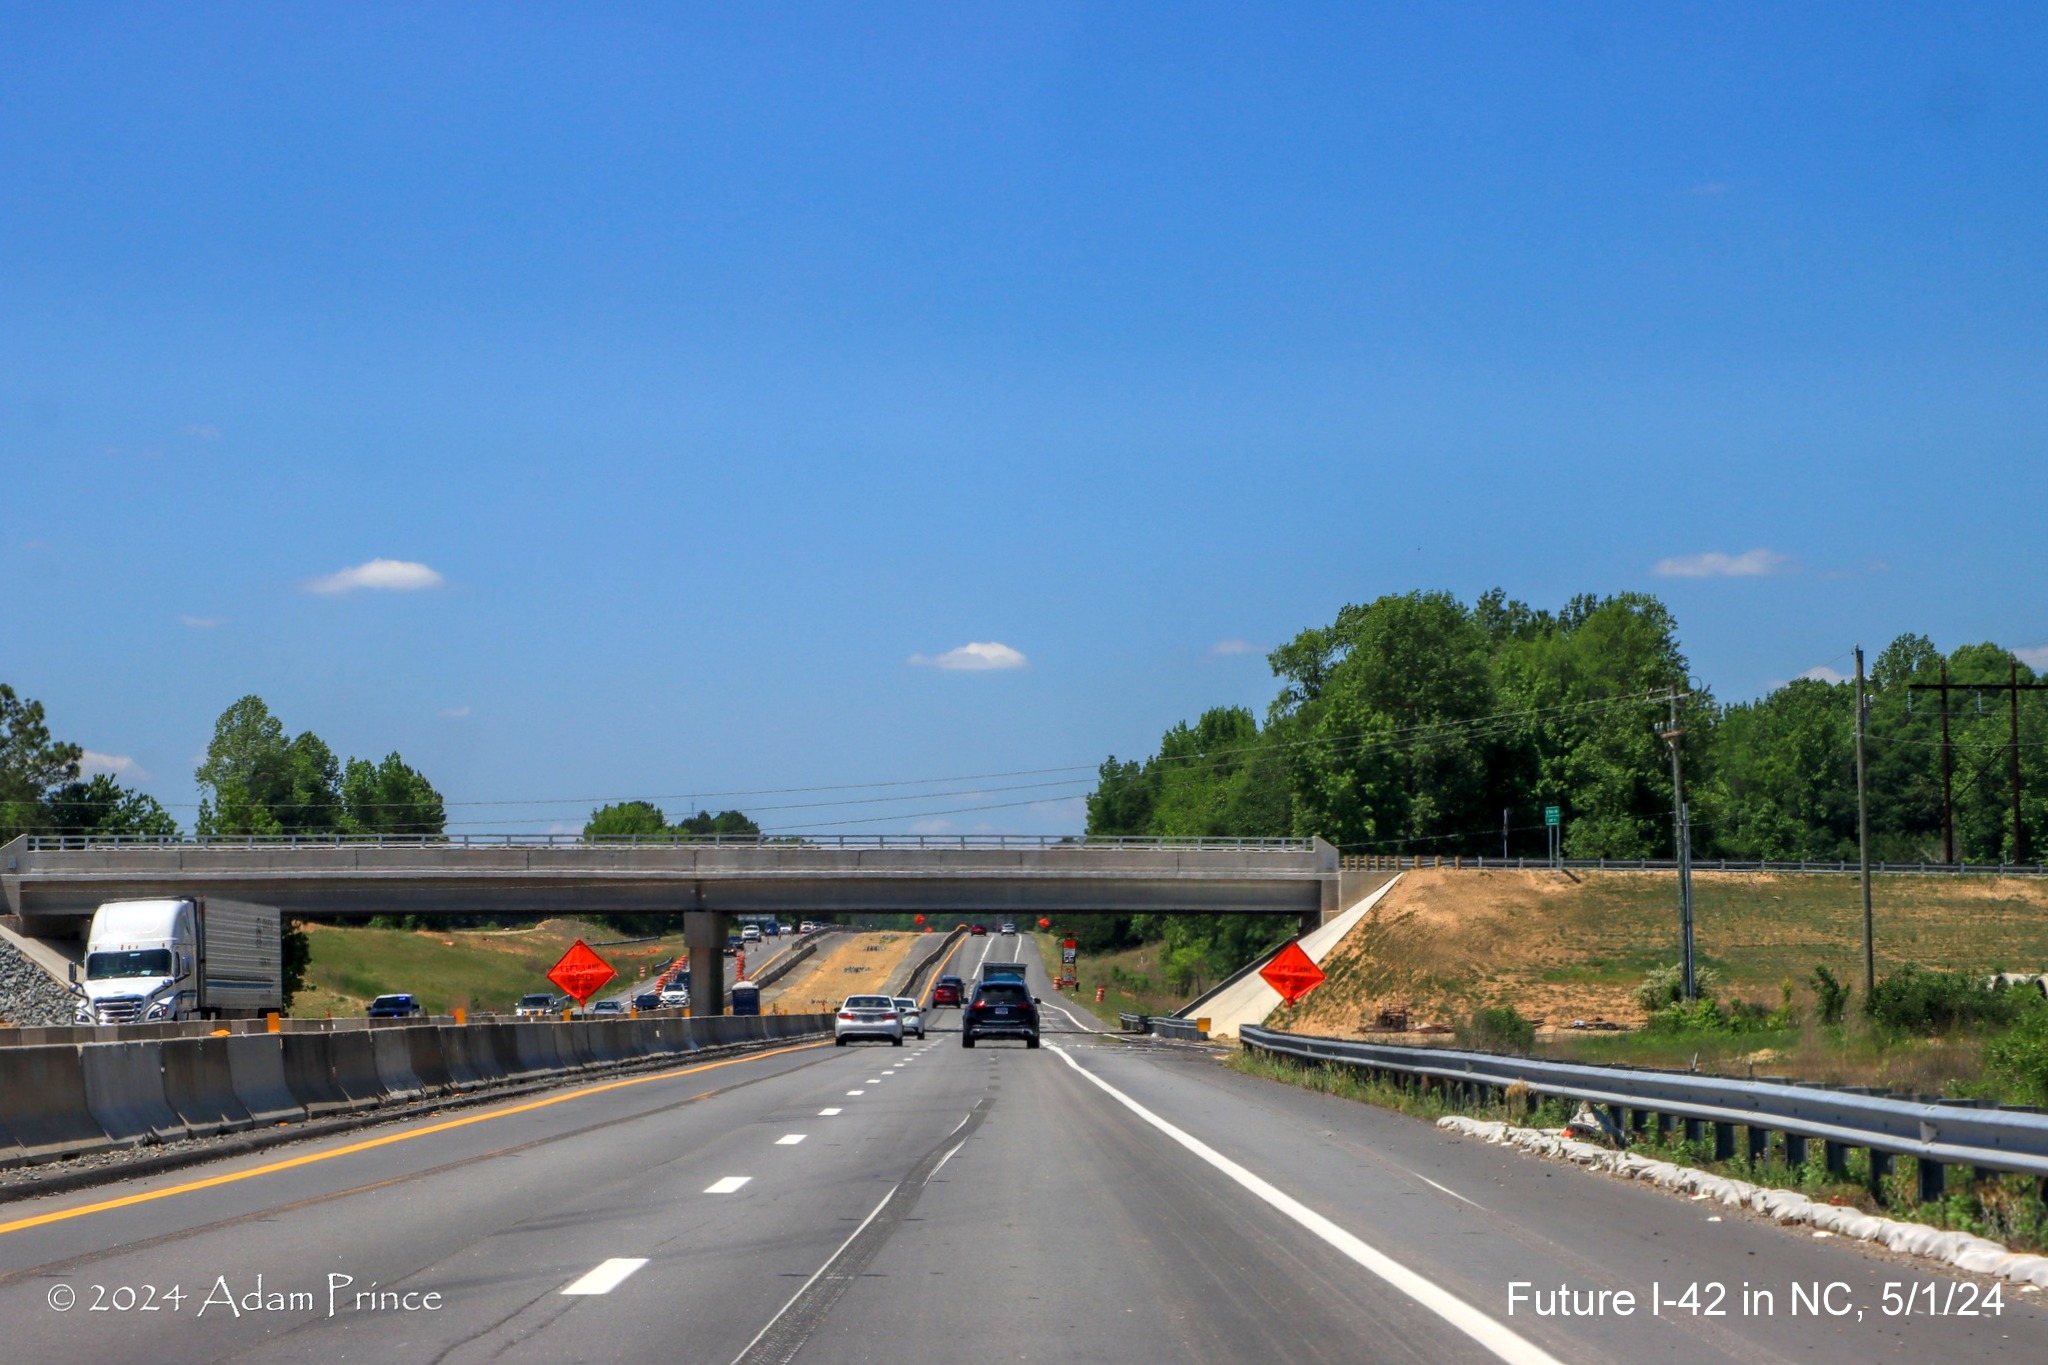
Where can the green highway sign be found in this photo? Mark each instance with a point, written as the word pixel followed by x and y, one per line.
pixel 1551 815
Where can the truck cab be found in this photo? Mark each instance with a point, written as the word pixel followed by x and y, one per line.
pixel 141 963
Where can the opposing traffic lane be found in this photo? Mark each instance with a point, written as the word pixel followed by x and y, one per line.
pixel 497 1216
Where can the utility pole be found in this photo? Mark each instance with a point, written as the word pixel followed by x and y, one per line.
pixel 2012 689
pixel 1682 839
pixel 1504 829
pixel 1863 829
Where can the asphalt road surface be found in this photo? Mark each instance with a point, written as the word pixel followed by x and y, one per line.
pixel 1095 1200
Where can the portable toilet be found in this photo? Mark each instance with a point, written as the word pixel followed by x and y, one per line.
pixel 745 997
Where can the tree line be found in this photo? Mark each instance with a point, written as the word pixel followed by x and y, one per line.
pixel 1416 723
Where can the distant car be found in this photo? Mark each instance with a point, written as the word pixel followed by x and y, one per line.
pixel 538 1006
pixel 808 927
pixel 647 1000
pixel 675 995
pixel 750 933
pixel 913 1017
pixel 868 1016
pixel 771 930
pixel 606 1009
pixel 978 930
pixel 395 1007
pixel 946 991
pixel 1002 1008
pixel 1009 927
pixel 733 943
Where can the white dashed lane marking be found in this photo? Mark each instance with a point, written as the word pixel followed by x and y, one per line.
pixel 790 1139
pixel 856 1092
pixel 727 1185
pixel 828 1113
pixel 606 1276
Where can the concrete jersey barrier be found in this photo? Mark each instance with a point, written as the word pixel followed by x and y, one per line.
pixel 201 1088
pixel 124 1092
pixel 256 1067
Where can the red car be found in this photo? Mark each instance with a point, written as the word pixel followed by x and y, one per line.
pixel 946 991
pixel 979 930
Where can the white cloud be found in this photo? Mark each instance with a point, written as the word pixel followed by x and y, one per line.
pixel 977 657
pixel 204 622
pixel 453 712
pixel 1714 564
pixel 114 765
pixel 1228 647
pixel 382 575
pixel 1822 673
pixel 2033 658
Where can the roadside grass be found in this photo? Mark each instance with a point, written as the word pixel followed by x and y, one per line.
pixel 2005 1208
pixel 1850 1053
pixel 477 969
pixel 1133 980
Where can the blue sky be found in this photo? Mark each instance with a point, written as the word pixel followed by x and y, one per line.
pixel 724 373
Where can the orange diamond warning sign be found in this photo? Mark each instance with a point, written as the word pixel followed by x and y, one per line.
pixel 581 973
pixel 1292 973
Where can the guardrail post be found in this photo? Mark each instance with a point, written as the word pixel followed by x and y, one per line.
pixel 1835 1156
pixel 1795 1150
pixel 1880 1167
pixel 1933 1180
pixel 1724 1141
pixel 1693 1129
pixel 1759 1143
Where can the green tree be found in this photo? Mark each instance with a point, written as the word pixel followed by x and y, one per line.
pixel 728 823
pixel 390 798
pixel 31 763
pixel 101 805
pixel 626 820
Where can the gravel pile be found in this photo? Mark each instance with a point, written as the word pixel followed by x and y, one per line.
pixel 28 997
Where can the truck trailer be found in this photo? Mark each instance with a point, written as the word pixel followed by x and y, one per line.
pixel 190 957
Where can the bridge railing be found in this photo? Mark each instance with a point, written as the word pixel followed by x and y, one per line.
pixel 1402 862
pixel 78 843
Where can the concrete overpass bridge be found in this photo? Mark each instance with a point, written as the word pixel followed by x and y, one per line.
pixel 52 883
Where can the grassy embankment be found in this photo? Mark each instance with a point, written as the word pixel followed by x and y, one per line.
pixel 478 969
pixel 1444 943
pixel 1133 980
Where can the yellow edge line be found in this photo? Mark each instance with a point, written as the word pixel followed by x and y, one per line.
pixel 61 1215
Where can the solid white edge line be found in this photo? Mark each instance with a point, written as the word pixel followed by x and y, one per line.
pixel 605 1276
pixel 805 1287
pixel 1503 1341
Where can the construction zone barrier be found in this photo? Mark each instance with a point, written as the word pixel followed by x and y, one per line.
pixel 66 1099
pixel 124 1092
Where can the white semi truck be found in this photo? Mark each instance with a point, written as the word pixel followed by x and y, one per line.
pixel 193 957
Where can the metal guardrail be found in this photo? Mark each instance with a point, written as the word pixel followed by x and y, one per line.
pixel 1185 1030
pixel 1357 862
pixel 1937 1133
pixel 76 843
pixel 1133 1023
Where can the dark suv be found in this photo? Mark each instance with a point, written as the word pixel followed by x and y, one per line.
pixel 946 991
pixel 1002 1009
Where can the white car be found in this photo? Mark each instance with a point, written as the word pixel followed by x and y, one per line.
pixel 751 933
pixel 868 1016
pixel 675 996
pixel 1009 926
pixel 913 1017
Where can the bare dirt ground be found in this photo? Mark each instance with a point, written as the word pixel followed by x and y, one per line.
pixel 1562 948
pixel 846 964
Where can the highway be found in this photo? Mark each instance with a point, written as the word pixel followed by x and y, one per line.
pixel 1095 1200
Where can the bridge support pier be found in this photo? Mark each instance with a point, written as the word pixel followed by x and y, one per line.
pixel 704 934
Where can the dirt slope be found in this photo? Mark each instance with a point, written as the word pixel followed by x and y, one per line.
pixel 1558 949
